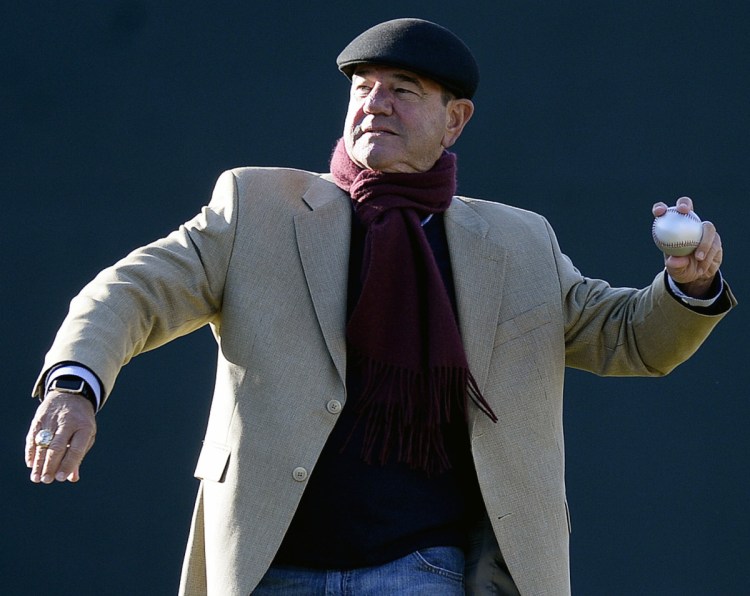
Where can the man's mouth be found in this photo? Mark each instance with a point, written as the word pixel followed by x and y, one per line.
pixel 377 132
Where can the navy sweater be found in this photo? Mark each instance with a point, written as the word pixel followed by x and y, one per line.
pixel 355 514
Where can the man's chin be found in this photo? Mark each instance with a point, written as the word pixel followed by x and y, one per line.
pixel 374 159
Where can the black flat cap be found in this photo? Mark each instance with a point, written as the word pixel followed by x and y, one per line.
pixel 419 46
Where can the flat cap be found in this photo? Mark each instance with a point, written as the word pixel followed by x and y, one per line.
pixel 419 46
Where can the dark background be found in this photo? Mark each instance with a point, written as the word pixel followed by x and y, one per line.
pixel 116 119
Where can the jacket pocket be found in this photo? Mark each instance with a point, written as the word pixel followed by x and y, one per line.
pixel 212 462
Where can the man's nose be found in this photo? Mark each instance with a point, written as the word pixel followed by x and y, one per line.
pixel 378 101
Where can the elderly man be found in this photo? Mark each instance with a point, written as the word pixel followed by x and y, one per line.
pixel 387 417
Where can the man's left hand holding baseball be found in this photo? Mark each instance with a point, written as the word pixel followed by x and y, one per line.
pixel 694 273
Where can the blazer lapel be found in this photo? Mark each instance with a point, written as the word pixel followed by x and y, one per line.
pixel 478 271
pixel 323 241
pixel 323 237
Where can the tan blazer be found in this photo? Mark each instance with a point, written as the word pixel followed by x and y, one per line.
pixel 265 264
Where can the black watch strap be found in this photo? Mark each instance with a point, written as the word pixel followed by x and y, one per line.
pixel 75 386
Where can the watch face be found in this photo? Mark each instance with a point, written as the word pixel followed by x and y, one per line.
pixel 71 385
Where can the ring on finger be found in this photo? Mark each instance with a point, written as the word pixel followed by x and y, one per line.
pixel 43 438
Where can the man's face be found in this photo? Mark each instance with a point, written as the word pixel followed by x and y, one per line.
pixel 398 121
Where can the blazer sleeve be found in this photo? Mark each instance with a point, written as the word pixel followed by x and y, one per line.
pixel 626 331
pixel 157 293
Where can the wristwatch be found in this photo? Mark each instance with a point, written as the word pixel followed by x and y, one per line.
pixel 73 385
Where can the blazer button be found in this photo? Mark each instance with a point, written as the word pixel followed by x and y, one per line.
pixel 299 474
pixel 334 406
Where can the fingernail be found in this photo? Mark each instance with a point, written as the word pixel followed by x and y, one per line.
pixel 700 256
pixel 35 477
pixel 60 476
pixel 47 478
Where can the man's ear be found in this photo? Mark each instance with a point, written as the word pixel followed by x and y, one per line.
pixel 458 114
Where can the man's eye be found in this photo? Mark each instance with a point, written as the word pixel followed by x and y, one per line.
pixel 405 91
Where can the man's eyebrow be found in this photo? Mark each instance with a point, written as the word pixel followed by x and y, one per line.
pixel 364 72
pixel 405 78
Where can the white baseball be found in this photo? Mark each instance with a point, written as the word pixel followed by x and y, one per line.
pixel 676 233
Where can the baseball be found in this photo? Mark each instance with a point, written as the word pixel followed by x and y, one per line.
pixel 676 233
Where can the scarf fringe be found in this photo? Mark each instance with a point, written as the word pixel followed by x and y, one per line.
pixel 405 413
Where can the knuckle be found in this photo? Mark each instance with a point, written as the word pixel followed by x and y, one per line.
pixel 77 449
pixel 56 446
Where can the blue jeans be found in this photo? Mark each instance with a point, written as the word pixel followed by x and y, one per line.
pixel 436 571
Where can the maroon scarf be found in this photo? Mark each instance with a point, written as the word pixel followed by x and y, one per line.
pixel 403 331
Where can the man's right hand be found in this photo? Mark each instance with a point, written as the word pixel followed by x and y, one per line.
pixel 71 419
